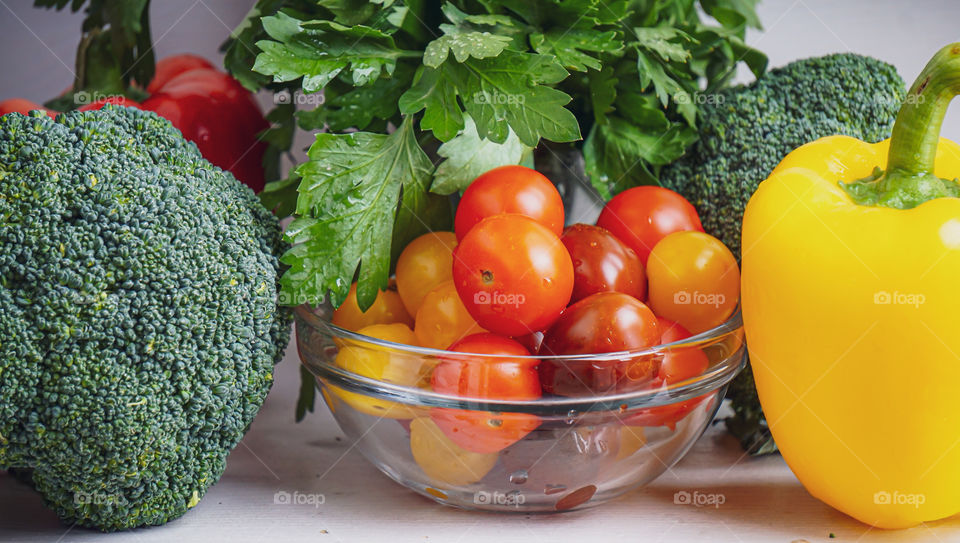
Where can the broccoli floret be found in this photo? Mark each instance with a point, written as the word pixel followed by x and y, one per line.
pixel 745 133
pixel 747 130
pixel 139 324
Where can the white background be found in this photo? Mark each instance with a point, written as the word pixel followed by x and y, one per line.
pixel 763 501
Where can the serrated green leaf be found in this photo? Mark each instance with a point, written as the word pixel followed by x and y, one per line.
pixel 510 87
pixel 651 71
pixel 617 153
pixel 657 40
pixel 437 95
pixel 348 203
pixel 464 45
pixel 467 156
pixel 513 87
pixel 571 47
pixel 319 50
pixel 358 107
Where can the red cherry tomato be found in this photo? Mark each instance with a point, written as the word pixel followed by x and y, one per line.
pixel 21 105
pixel 665 415
pixel 510 189
pixel 681 364
pixel 513 275
pixel 600 323
pixel 677 366
pixel 214 111
pixel 642 216
pixel 502 378
pixel 602 263
pixel 115 100
pixel 172 66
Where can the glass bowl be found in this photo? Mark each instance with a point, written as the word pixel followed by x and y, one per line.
pixel 577 451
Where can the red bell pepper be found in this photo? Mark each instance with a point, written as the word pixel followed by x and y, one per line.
pixel 214 111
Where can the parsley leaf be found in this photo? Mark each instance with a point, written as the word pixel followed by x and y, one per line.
pixel 346 212
pixel 571 47
pixel 319 50
pixel 464 45
pixel 616 153
pixel 511 87
pixel 435 93
pixel 468 156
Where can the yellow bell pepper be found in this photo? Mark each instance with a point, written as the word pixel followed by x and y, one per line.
pixel 851 309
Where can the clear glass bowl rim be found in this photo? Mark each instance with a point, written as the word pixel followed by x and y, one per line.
pixel 716 376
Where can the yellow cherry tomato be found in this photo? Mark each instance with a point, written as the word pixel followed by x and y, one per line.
pixel 383 364
pixel 693 280
pixel 442 319
pixel 632 439
pixel 386 309
pixel 425 263
pixel 443 460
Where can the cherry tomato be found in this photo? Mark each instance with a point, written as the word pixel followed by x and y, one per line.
pixel 677 366
pixel 386 309
pixel 115 100
pixel 600 323
pixel 602 263
pixel 442 459
pixel 20 105
pixel 172 66
pixel 383 364
pixel 442 319
pixel 664 415
pixel 501 378
pixel 693 280
pixel 642 216
pixel 632 439
pixel 513 274
pixel 510 189
pixel 681 364
pixel 424 263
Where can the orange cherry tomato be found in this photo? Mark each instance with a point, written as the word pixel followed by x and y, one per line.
pixel 386 309
pixel 442 319
pixel 424 263
pixel 693 280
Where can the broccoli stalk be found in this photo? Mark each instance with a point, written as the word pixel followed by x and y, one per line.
pixel 139 324
pixel 745 133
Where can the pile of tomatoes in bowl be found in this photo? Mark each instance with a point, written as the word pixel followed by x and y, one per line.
pixel 513 328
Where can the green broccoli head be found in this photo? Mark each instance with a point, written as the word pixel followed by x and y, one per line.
pixel 748 130
pixel 139 323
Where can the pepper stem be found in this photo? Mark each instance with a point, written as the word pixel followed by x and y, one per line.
pixel 908 180
pixel 913 146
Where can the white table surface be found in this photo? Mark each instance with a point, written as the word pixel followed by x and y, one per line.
pixel 762 500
